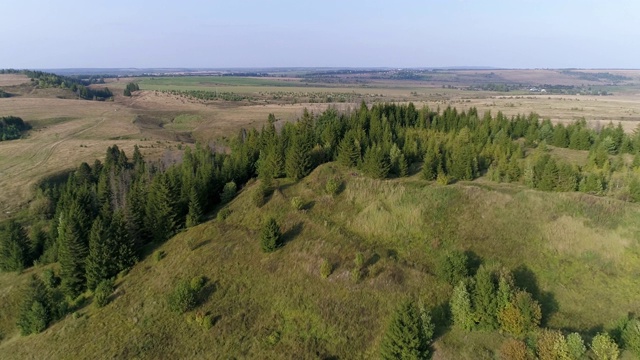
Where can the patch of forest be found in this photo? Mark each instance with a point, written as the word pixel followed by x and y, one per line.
pixel 79 86
pixel 12 127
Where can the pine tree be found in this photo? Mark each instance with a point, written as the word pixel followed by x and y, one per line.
pixel 484 299
pixel 99 260
pixel 35 311
pixel 549 178
pixel 270 238
pixel 348 151
pixel 72 252
pixel 159 215
pixel 14 247
pixel 124 247
pixel 461 309
pixel 195 210
pixel 298 160
pixel 405 338
pixel 376 162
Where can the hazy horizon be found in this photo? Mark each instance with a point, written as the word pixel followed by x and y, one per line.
pixel 287 34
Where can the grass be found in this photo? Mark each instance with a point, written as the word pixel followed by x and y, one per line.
pixel 566 248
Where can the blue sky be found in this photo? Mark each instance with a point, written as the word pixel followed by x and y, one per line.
pixel 331 33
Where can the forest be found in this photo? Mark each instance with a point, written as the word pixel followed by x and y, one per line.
pixel 98 221
pixel 80 87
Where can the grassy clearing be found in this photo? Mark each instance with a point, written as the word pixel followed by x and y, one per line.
pixel 565 248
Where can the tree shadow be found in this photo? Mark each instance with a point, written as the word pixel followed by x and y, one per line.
pixel 526 279
pixel 441 317
pixel 201 244
pixel 308 205
pixel 473 262
pixel 372 260
pixel 291 233
pixel 207 290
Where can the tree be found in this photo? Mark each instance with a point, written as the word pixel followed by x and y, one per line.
pixel 102 293
pixel 521 315
pixel 298 159
pixel 183 297
pixel 576 346
pixel 513 349
pixel 348 151
pixel 453 267
pixel 72 253
pixel 461 310
pixel 484 299
pixel 194 215
pixel 376 162
pixel 405 338
pixel 549 178
pixel 270 238
pixel 631 336
pixel 604 348
pixel 159 216
pixel 35 311
pixel 99 261
pixel 14 247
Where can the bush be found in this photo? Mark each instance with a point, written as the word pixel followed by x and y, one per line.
pixel 359 260
pixel 270 238
pixel 631 336
pixel 326 269
pixel 183 298
pixel 159 255
pixel 50 279
pixel 228 192
pixel 259 196
pixel 102 293
pixel 333 186
pixel 223 214
pixel 197 283
pixel 576 346
pixel 297 203
pixel 604 348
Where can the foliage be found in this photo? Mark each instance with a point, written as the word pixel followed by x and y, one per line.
pixel 604 348
pixel 631 336
pixel 576 346
pixel 12 127
pixel 405 337
pixel 35 312
pixel 270 237
pixel 228 192
pixel 513 349
pixel 453 267
pixel 521 315
pixel 333 186
pixel 130 88
pixel 14 247
pixel 326 269
pixel 461 310
pixel 102 293
pixel 184 296
pixel 297 203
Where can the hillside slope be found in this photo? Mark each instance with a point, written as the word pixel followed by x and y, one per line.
pixel 578 254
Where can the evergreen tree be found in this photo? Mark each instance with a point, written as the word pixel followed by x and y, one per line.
pixel 376 163
pixel 405 338
pixel 195 209
pixel 461 309
pixel 348 151
pixel 35 311
pixel 270 238
pixel 124 246
pixel 72 253
pixel 298 160
pixel 99 261
pixel 484 299
pixel 14 247
pixel 159 214
pixel 549 178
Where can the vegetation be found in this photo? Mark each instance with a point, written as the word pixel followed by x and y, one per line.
pixel 12 127
pixel 131 88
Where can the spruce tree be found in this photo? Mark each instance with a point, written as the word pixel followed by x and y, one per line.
pixel 72 252
pixel 35 311
pixel 99 260
pixel 270 238
pixel 549 178
pixel 124 247
pixel 194 216
pixel 298 160
pixel 376 162
pixel 484 299
pixel 405 338
pixel 461 309
pixel 348 151
pixel 14 247
pixel 159 215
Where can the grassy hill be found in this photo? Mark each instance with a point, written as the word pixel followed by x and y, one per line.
pixel 578 254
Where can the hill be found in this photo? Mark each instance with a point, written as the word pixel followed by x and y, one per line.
pixel 578 255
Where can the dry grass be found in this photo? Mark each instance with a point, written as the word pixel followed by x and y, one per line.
pixel 12 79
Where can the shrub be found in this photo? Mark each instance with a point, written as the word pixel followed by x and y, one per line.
pixel 604 348
pixel 159 255
pixel 443 179
pixel 297 203
pixel 223 214
pixel 359 260
pixel 102 293
pixel 50 279
pixel 197 283
pixel 356 275
pixel 259 196
pixel 326 269
pixel 183 298
pixel 333 186
pixel 270 238
pixel 228 192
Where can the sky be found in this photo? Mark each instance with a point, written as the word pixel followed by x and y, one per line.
pixel 50 34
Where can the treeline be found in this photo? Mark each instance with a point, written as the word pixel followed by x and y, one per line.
pixel 78 86
pixel 12 127
pixel 4 94
pixel 130 88
pixel 208 95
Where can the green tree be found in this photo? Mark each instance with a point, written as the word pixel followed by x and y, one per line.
pixel 461 309
pixel 576 347
pixel 72 253
pixel 35 311
pixel 14 247
pixel 348 151
pixel 298 159
pixel 194 216
pixel 376 162
pixel 453 267
pixel 102 293
pixel 270 237
pixel 159 215
pixel 484 299
pixel 604 348
pixel 631 336
pixel 99 261
pixel 405 338
pixel 549 178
